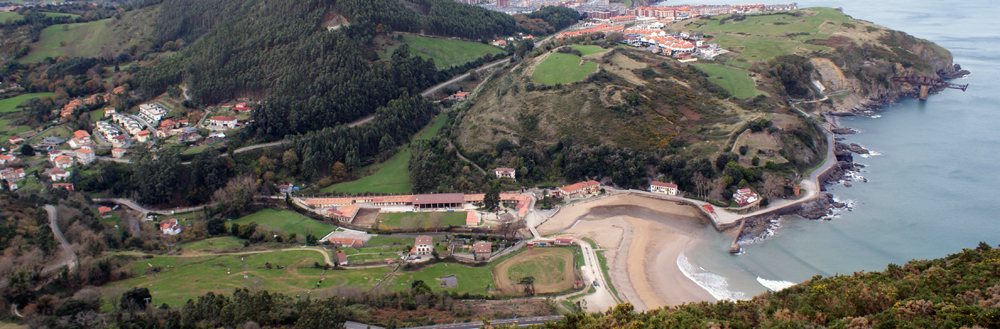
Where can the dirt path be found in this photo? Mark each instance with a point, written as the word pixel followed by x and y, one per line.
pixel 68 257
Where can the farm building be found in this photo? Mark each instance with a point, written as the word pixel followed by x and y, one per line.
pixel 482 250
pixel 471 219
pixel 344 213
pixel 341 258
pixel 443 200
pixel 345 242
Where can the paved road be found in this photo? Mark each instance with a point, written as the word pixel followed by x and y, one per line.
pixel 602 299
pixel 431 90
pixel 479 324
pixel 144 210
pixel 68 256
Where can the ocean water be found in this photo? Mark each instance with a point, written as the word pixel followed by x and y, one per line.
pixel 933 181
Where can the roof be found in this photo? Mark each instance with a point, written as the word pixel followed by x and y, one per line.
pixel 341 256
pixel 84 151
pixel 344 242
pixel 424 240
pixel 117 150
pixel 142 133
pixel 223 118
pixel 564 240
pixel 579 185
pixel 504 169
pixel 482 247
pixel 438 198
pixel 471 218
pixel 103 209
pixel 662 184
pixel 81 134
pixel 63 158
pixel 348 210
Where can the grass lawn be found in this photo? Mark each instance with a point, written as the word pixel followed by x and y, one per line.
pixel 10 104
pixel 378 241
pixel 562 68
pixel 220 243
pixel 287 221
pixel 13 16
pixel 60 131
pixel 445 52
pixel 421 219
pixel 6 131
pixel 393 175
pixel 546 265
pixel 587 50
pixel 190 277
pixel 736 81
pixel 97 115
pixel 757 49
pixel 473 280
pixel 91 39
pixel 197 149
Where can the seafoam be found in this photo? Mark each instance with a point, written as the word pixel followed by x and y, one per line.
pixel 715 284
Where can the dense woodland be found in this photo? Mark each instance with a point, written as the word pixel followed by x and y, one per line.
pixel 546 20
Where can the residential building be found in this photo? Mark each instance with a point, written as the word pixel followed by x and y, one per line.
pixel 223 121
pixel 471 219
pixel 104 211
pixel 170 227
pixel 423 245
pixel 142 136
pixel 564 241
pixel 170 124
pixel 5 159
pixel 459 96
pixel 11 174
pixel 56 174
pixel 745 196
pixel 285 188
pixel 482 250
pixel 664 188
pixel 63 161
pixel 152 112
pixel 581 189
pixel 500 43
pixel 80 138
pixel 118 153
pixel 118 90
pixel 119 141
pixel 341 258
pixel 505 173
pixel 16 140
pixel 344 213
pixel 108 111
pixel 67 186
pixel 242 107
pixel 85 156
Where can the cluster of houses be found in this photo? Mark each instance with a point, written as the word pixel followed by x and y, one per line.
pixel 179 128
pixel 11 175
pixel 679 45
pixel 423 246
pixel 669 14
pixel 503 42
pixel 76 104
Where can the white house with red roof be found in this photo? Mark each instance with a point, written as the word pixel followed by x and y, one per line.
pixel 170 227
pixel 471 219
pixel 63 161
pixel 664 188
pixel 12 175
pixel 506 173
pixel 580 189
pixel 5 159
pixel 80 138
pixel 223 121
pixel 85 156
pixel 56 174
pixel 423 245
pixel 745 196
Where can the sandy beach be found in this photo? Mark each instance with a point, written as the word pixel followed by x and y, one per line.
pixel 642 238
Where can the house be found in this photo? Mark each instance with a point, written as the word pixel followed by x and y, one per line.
pixel 85 156
pixel 63 161
pixel 168 124
pixel 142 136
pixel 16 139
pixel 500 43
pixel 344 213
pixel 118 153
pixel 56 174
pixel 745 196
pixel 285 188
pixel 182 123
pixel 505 173
pixel 664 188
pixel 118 90
pixel 580 189
pixel 223 121
pixel 5 159
pixel 67 186
pixel 104 211
pixel 459 96
pixel 482 250
pixel 170 227
pixel 564 242
pixel 12 175
pixel 423 245
pixel 108 111
pixel 118 141
pixel 471 219
pixel 345 242
pixel 152 112
pixel 80 138
pixel 242 107
pixel 341 258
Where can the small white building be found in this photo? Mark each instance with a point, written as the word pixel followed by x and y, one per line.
pixel 152 112
pixel 223 121
pixel 664 188
pixel 505 173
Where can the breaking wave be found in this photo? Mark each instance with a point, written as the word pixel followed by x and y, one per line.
pixel 715 284
pixel 774 285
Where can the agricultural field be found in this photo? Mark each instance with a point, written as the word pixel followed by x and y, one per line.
pixel 445 52
pixel 12 16
pixel 420 220
pixel 287 221
pixel 10 104
pixel 93 39
pixel 587 50
pixel 393 175
pixel 472 280
pixel 173 280
pixel 215 244
pixel 562 68
pixel 552 268
pixel 736 81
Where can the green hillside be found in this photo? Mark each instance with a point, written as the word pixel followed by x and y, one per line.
pixel 107 37
pixel 445 52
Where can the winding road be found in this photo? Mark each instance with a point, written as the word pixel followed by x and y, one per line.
pixel 68 258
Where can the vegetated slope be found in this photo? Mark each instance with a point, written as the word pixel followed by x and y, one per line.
pixel 103 39
pixel 961 290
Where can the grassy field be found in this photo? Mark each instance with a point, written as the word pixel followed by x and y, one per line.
pixel 10 104
pixel 562 68
pixel 388 241
pixel 445 52
pixel 552 269
pixel 188 277
pixel 13 16
pixel 755 49
pixel 421 219
pixel 587 50
pixel 220 243
pixel 92 39
pixel 393 175
pixel 473 280
pixel 287 221
pixel 736 81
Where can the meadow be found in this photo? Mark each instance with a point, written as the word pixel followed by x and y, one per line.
pixel 587 50
pixel 736 81
pixel 10 104
pixel 94 38
pixel 287 221
pixel 420 219
pixel 472 280
pixel 445 52
pixel 552 268
pixel 562 68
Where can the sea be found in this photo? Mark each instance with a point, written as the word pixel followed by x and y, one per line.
pixel 933 179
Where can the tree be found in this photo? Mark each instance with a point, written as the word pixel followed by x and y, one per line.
pixel 216 226
pixel 420 287
pixel 27 150
pixel 528 283
pixel 136 299
pixel 339 172
pixel 700 183
pixel 290 160
pixel 491 201
pixel 774 186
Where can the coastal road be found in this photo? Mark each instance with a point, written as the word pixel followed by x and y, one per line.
pixel 68 257
pixel 479 324
pixel 602 299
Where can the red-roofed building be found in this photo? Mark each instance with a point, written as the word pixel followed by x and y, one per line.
pixel 85 156
pixel 423 245
pixel 142 136
pixel 4 159
pixel 564 241
pixel 16 139
pixel 471 219
pixel 63 161
pixel 104 211
pixel 482 250
pixel 506 173
pixel 118 153
pixel 745 197
pixel 67 186
pixel 459 96
pixel 170 227
pixel 664 188
pixel 344 213
pixel 168 124
pixel 580 189
pixel 223 121
pixel 341 258
pixel 345 242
